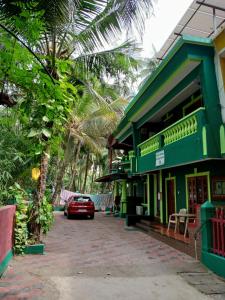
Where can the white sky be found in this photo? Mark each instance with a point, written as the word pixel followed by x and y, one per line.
pixel 167 14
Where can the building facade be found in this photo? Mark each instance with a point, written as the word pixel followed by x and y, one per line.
pixel 175 132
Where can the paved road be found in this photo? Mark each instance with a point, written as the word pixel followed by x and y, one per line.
pixel 98 259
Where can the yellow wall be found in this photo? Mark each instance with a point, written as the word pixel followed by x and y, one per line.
pixel 219 41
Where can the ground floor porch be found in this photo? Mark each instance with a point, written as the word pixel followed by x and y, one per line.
pixel 161 193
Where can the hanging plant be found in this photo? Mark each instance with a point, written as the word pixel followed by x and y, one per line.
pixel 20 230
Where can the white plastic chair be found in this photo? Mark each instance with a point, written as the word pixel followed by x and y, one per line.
pixel 173 219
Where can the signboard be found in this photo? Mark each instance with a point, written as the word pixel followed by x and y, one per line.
pixel 159 158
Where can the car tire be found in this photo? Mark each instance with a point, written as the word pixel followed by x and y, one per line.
pixel 65 213
pixel 92 217
pixel 68 216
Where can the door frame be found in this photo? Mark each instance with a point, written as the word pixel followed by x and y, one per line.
pixel 175 195
pixel 196 174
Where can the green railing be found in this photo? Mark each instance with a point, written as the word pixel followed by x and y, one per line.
pixel 184 127
pixel 151 145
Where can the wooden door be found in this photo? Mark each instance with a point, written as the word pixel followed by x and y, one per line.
pixel 192 195
pixel 170 187
pixel 197 191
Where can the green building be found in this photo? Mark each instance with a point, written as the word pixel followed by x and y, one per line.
pixel 172 135
pixel 173 138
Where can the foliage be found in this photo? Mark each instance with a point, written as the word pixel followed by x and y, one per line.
pixel 46 217
pixel 14 154
pixel 55 59
pixel 20 230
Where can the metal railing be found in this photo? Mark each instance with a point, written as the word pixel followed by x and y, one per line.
pixel 218 232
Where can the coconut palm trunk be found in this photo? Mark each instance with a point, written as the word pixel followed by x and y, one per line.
pixel 59 179
pixel 74 169
pixel 34 224
pixel 86 172
pixel 93 176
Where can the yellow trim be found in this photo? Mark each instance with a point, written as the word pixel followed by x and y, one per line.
pixel 175 194
pixel 204 141
pixel 193 100
pixel 222 139
pixel 197 175
pixel 168 116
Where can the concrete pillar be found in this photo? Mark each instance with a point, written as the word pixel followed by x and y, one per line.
pixel 207 212
pixel 148 194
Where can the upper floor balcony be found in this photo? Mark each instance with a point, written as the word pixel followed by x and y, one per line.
pixel 121 165
pixel 182 142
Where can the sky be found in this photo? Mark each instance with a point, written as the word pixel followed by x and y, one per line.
pixel 158 27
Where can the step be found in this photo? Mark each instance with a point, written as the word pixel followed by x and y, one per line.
pixel 145 222
pixel 142 226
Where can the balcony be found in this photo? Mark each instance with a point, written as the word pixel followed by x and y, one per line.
pixel 121 166
pixel 182 142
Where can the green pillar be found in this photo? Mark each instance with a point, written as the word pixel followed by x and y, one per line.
pixel 123 203
pixel 148 194
pixel 207 212
pixel 136 137
pixel 115 193
pixel 161 196
pixel 212 104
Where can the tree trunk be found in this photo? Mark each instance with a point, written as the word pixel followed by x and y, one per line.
pixel 62 168
pixel 59 179
pixel 34 224
pixel 93 176
pixel 86 172
pixel 75 165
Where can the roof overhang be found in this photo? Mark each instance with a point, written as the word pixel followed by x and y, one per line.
pixel 111 177
pixel 202 19
pixel 175 78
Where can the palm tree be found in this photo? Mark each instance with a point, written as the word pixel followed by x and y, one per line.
pixel 79 29
pixel 75 32
pixel 92 121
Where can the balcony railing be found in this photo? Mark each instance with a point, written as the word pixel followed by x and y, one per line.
pixel 177 131
pixel 151 145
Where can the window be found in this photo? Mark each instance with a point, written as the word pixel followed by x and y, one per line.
pixel 218 188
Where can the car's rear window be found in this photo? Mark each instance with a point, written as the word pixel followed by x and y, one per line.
pixel 81 199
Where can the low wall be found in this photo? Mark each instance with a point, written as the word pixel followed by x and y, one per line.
pixel 7 214
pixel 214 262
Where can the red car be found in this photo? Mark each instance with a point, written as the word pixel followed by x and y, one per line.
pixel 79 206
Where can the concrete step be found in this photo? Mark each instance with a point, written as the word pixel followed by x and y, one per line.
pixel 145 222
pixel 143 226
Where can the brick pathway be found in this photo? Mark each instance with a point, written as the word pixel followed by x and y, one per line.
pixel 98 252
